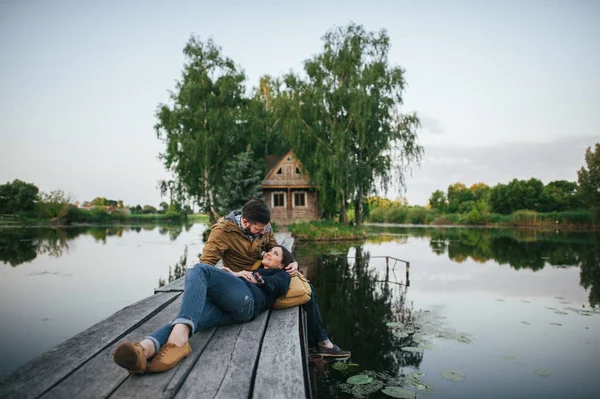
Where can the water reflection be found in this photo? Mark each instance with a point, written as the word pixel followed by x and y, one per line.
pixel 360 302
pixel 357 305
pixel 23 245
pixel 520 249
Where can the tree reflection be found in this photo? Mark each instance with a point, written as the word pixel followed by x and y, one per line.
pixel 520 248
pixel 22 245
pixel 357 304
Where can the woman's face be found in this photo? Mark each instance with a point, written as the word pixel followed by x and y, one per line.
pixel 273 258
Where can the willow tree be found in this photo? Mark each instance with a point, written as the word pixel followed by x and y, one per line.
pixel 352 135
pixel 201 126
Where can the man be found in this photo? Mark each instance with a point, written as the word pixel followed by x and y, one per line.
pixel 239 240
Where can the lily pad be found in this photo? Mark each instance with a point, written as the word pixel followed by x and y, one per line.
pixel 510 358
pixel 359 379
pixel 412 349
pixel 550 308
pixel 542 373
pixel 453 375
pixel 345 367
pixel 560 312
pixel 524 301
pixel 556 324
pixel 526 323
pixel 397 392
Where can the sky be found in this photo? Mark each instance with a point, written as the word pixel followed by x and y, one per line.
pixel 504 89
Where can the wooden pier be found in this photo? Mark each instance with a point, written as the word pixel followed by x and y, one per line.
pixel 264 358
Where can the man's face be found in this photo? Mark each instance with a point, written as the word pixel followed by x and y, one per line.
pixel 253 228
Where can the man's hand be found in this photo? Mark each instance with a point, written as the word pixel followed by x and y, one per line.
pixel 292 268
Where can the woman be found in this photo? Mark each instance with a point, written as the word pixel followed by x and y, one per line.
pixel 211 297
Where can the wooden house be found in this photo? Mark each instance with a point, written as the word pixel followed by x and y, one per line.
pixel 287 189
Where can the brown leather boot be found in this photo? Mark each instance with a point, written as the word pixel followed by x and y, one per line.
pixel 168 357
pixel 130 356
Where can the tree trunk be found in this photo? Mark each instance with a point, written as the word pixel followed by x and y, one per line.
pixel 343 214
pixel 358 209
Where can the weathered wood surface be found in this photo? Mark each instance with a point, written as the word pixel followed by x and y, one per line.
pixel 43 373
pixel 280 371
pixel 262 358
pixel 101 376
pixel 165 385
pixel 227 364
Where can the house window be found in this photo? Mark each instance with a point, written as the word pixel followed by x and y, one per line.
pixel 300 199
pixel 298 171
pixel 278 200
pixel 279 171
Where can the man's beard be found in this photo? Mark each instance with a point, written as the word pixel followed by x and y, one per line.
pixel 249 233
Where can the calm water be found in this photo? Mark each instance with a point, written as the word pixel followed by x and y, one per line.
pixel 515 297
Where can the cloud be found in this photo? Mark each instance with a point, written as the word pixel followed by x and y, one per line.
pixel 430 125
pixel 442 165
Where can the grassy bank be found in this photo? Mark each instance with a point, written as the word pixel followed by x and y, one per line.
pixel 581 219
pixel 325 231
pixel 82 217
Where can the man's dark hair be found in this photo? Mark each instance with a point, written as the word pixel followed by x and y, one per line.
pixel 256 211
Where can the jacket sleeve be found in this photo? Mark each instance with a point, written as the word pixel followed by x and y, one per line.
pixel 277 284
pixel 214 248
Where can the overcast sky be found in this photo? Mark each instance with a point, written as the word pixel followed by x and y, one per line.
pixel 504 89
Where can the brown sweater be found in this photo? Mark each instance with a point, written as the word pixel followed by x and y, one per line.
pixel 227 242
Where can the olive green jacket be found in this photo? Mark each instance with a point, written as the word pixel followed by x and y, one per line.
pixel 227 242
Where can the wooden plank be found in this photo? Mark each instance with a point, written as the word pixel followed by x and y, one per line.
pixel 165 385
pixel 100 376
pixel 174 286
pixel 226 366
pixel 43 373
pixel 280 373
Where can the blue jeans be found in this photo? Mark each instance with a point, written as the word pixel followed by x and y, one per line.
pixel 211 297
pixel 314 323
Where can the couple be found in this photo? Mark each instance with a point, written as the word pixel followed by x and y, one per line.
pixel 235 294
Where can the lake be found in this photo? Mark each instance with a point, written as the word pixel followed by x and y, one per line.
pixel 507 312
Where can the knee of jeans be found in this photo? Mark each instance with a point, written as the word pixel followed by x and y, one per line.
pixel 246 311
pixel 196 270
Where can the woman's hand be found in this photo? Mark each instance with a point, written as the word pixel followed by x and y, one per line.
pixel 247 276
pixel 292 268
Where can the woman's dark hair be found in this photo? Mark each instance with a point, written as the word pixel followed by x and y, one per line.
pixel 256 211
pixel 287 256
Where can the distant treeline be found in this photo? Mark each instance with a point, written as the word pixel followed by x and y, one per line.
pixel 518 203
pixel 20 201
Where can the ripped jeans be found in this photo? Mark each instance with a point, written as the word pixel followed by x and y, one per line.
pixel 211 297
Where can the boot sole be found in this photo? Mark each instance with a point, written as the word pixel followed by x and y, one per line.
pixel 126 357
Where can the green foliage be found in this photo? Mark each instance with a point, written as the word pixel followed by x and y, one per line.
pixel 18 197
pixel 202 128
pixel 458 194
pixel 438 201
pixel 241 181
pixel 148 209
pixel 589 178
pixel 343 119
